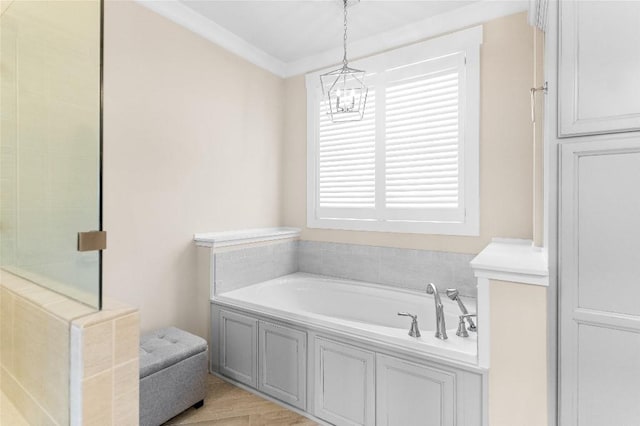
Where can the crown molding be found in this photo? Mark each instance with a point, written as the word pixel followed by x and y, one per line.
pixel 474 14
pixel 182 15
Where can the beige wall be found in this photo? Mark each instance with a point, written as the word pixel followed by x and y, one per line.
pixel 193 141
pixel 518 373
pixel 197 139
pixel 505 150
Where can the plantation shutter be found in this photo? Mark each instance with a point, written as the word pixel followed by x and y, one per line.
pixel 419 139
pixel 412 163
pixel 346 163
pixel 423 141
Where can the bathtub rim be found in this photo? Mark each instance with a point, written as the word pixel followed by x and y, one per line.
pixel 352 285
pixel 356 283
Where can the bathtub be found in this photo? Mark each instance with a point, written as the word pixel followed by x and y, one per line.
pixel 362 310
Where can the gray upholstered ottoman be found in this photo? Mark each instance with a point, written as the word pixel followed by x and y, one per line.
pixel 173 371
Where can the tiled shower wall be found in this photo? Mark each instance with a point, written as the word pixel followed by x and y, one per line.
pixel 62 363
pixel 403 268
pixel 49 177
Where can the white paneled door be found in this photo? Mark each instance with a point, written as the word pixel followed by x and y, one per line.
pixel 599 288
pixel 282 363
pixel 239 347
pixel 344 384
pixel 599 88
pixel 410 394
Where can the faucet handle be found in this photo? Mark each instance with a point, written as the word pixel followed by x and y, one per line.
pixel 414 331
pixel 462 329
pixel 472 325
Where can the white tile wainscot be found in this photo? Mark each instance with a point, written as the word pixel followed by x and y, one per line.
pixel 212 243
pixel 215 246
pixel 511 260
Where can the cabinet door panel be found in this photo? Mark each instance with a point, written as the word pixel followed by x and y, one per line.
pixel 344 384
pixel 599 67
pixel 599 319
pixel 238 347
pixel 608 376
pixel 409 394
pixel 283 363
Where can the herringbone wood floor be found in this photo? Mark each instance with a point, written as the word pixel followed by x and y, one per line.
pixel 228 405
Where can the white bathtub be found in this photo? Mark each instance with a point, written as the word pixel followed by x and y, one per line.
pixel 360 309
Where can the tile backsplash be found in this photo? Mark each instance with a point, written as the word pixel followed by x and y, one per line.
pixel 404 268
pixel 239 268
pixel 396 267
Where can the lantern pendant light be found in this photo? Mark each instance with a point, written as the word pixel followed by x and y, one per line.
pixel 344 87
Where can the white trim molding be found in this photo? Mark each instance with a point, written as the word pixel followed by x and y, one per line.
pixel 245 236
pixel 483 310
pixel 467 16
pixel 512 260
pixel 538 10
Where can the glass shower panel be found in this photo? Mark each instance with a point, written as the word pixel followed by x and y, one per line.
pixel 50 141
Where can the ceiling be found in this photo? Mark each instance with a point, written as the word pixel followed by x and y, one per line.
pixel 292 30
pixel 289 37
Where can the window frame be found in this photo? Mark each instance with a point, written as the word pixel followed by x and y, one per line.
pixel 466 42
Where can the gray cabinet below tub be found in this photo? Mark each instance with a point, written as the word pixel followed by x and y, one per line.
pixel 344 384
pixel 266 356
pixel 238 347
pixel 343 380
pixel 282 365
pixel 410 394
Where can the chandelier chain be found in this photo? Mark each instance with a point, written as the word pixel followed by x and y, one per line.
pixel 344 59
pixel 344 88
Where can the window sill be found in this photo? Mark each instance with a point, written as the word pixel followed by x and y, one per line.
pixel 470 228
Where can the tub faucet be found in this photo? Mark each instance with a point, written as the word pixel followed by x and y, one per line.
pixel 454 295
pixel 441 328
pixel 414 331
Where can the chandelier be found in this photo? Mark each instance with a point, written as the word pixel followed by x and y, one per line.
pixel 344 87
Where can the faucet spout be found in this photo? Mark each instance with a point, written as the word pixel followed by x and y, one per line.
pixel 441 328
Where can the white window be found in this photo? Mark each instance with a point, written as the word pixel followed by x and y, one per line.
pixel 411 164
